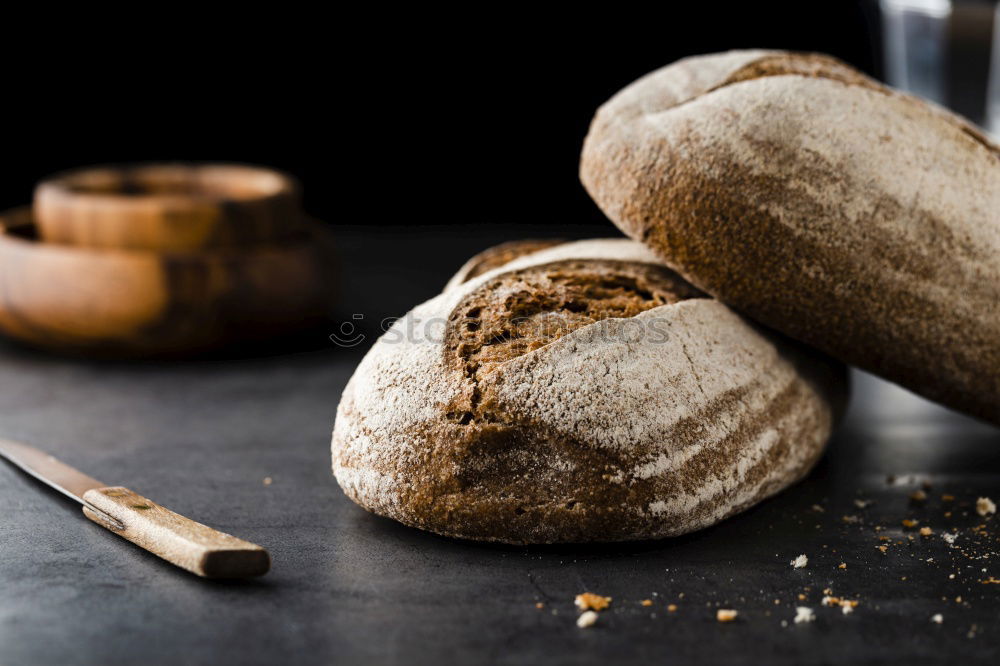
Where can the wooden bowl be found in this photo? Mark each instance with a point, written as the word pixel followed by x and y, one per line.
pixel 168 207
pixel 127 303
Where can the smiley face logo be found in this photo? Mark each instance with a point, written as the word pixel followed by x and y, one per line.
pixel 347 334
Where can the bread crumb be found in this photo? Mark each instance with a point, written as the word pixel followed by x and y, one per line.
pixel 883 548
pixel 646 602
pixel 909 523
pixel 947 498
pixel 926 531
pixel 268 480
pixel 850 520
pixel 804 614
pixel 829 601
pixel 990 581
pixel 539 605
pixel 590 601
pixel 800 562
pixel 586 620
pixel 817 508
pixel 985 506
pixel 802 597
pixel 937 618
pixel 918 496
pixel 847 610
pixel 842 565
pixel 671 608
pixel 950 538
pixel 726 614
pixel 862 504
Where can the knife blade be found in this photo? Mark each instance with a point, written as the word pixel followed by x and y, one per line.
pixel 181 541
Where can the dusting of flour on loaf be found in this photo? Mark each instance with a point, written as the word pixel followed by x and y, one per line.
pixel 855 218
pixel 608 432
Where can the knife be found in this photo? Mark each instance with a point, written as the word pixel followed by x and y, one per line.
pixel 179 540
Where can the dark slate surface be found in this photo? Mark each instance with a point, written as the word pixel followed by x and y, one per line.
pixel 348 587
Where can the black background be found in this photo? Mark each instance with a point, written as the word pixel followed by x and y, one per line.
pixel 423 118
pixel 388 116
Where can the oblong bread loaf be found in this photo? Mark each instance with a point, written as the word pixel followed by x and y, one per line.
pixel 857 219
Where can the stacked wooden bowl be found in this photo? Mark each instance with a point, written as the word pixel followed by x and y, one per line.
pixel 161 260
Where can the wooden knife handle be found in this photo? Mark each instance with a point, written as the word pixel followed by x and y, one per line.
pixel 179 540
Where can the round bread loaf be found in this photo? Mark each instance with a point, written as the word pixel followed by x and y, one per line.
pixel 580 393
pixel 852 217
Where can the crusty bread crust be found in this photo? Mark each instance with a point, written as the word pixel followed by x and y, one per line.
pixel 497 256
pixel 854 218
pixel 647 410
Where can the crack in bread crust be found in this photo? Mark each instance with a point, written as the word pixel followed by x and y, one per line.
pixel 500 255
pixel 519 312
pixel 818 65
pixel 822 66
pixel 801 64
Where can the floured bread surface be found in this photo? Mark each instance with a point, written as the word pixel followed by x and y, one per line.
pixel 579 393
pixel 524 310
pixel 862 221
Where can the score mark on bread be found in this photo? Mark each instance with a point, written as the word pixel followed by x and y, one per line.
pixel 521 311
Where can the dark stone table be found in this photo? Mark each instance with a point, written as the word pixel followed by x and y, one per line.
pixel 347 587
